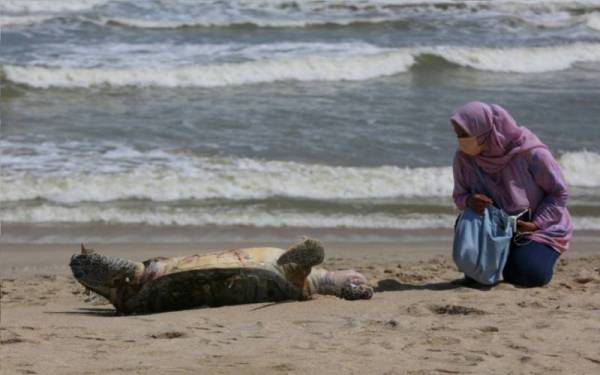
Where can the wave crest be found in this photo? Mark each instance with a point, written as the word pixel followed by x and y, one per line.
pixel 352 67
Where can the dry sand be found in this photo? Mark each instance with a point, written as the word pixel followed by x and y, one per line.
pixel 418 322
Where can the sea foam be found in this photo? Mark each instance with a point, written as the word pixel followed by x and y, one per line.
pixel 223 217
pixel 276 14
pixel 235 179
pixel 47 6
pixel 593 21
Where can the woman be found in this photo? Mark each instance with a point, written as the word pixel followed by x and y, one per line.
pixel 519 173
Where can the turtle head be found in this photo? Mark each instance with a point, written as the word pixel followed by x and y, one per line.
pixel 103 274
pixel 346 284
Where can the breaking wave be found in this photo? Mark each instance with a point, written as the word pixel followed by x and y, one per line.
pixel 242 217
pixel 234 179
pixel 119 56
pixel 47 172
pixel 351 67
pixel 245 22
pixel 225 217
pixel 41 182
pixel 313 68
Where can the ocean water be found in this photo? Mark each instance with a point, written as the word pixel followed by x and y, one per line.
pixel 280 114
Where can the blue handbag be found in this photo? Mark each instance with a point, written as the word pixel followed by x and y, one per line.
pixel 482 242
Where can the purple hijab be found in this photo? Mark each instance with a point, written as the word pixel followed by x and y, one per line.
pixel 519 172
pixel 497 132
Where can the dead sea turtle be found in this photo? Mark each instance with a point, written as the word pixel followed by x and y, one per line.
pixel 250 275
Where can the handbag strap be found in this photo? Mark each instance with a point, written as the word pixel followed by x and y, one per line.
pixel 480 175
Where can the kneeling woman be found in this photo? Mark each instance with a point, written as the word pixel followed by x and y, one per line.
pixel 519 172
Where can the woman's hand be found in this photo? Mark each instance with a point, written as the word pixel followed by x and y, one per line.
pixel 478 202
pixel 526 226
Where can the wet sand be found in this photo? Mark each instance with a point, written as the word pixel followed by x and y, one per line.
pixel 418 322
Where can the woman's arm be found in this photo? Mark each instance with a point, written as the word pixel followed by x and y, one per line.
pixel 546 173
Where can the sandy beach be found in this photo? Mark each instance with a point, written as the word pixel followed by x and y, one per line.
pixel 148 128
pixel 418 322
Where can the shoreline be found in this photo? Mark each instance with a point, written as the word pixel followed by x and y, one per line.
pixel 145 233
pixel 26 259
pixel 57 233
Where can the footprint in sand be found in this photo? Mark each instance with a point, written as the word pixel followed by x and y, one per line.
pixel 417 309
pixel 305 345
pixel 442 340
pixel 585 277
pixel 305 323
pixel 255 331
pixel 283 367
pixel 26 371
pixel 386 345
pixel 488 329
pixel 12 340
pixel 390 324
pixel 168 335
pixel 531 304
pixel 468 359
pixel 455 310
pixel 10 337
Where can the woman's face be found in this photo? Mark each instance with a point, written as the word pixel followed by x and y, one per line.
pixel 466 143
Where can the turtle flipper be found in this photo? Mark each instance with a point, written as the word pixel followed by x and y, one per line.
pixel 297 262
pixel 353 292
pixel 307 253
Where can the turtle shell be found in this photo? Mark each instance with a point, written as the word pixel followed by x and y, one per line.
pixel 227 278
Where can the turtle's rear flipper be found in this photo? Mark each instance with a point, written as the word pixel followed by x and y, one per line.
pixel 307 253
pixel 353 292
